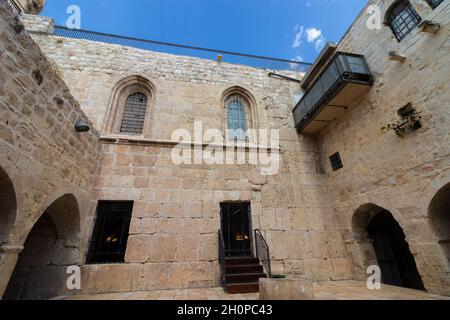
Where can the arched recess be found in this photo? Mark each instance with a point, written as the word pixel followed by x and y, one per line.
pixel 386 241
pixel 8 206
pixel 52 244
pixel 439 217
pixel 249 103
pixel 124 89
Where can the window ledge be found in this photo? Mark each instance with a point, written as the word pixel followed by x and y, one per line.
pixel 139 140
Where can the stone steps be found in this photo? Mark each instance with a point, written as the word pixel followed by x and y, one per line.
pixel 242 275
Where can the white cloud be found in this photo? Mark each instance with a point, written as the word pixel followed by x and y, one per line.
pixel 312 34
pixel 299 30
pixel 315 36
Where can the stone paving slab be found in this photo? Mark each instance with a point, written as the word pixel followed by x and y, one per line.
pixel 327 290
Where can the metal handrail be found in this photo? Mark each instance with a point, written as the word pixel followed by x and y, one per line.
pixel 222 256
pixel 187 50
pixel 16 9
pixel 263 252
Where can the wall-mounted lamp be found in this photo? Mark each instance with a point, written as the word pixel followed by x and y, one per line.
pixel 429 26
pixel 410 120
pixel 82 126
pixel 395 56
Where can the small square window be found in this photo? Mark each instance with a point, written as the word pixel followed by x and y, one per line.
pixel 336 162
pixel 109 240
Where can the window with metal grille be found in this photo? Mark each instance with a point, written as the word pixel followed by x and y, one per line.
pixel 402 19
pixel 236 117
pixel 336 162
pixel 434 3
pixel 134 114
pixel 109 240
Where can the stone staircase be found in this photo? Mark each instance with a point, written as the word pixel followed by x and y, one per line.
pixel 242 275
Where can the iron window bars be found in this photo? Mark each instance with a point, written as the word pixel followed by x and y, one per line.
pixel 336 162
pixel 110 236
pixel 402 19
pixel 134 114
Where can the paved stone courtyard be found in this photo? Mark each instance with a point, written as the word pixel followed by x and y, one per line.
pixel 327 290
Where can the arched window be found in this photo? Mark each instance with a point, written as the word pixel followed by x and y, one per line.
pixel 237 118
pixel 131 106
pixel 134 114
pixel 434 3
pixel 402 18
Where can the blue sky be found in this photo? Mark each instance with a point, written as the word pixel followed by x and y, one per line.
pixel 275 28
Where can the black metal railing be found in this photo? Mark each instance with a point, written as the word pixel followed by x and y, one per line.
pixel 222 255
pixel 184 50
pixel 16 9
pixel 341 70
pixel 262 252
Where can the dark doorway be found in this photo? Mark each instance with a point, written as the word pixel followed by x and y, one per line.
pixel 396 261
pixel 236 229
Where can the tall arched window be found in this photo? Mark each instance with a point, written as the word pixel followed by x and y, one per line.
pixel 434 3
pixel 237 124
pixel 402 18
pixel 131 107
pixel 134 114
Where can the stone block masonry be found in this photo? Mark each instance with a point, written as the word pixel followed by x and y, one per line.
pixel 44 162
pixel 401 175
pixel 315 220
pixel 176 215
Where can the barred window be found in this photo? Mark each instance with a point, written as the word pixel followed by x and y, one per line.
pixel 236 117
pixel 110 236
pixel 134 114
pixel 336 162
pixel 402 18
pixel 434 3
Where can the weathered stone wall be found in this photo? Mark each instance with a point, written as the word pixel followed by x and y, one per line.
pixel 173 237
pixel 399 174
pixel 42 158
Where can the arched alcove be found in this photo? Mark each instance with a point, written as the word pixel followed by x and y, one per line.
pixel 51 246
pixel 8 206
pixel 377 226
pixel 439 217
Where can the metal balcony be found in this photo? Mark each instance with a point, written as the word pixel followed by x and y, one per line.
pixel 346 77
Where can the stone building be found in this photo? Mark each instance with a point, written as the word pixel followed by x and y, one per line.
pixel 363 177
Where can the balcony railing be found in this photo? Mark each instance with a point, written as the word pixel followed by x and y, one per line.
pixel 334 89
pixel 255 61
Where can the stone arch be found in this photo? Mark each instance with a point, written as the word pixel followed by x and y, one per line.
pixel 251 106
pixel 382 241
pixel 8 206
pixel 439 218
pixel 120 93
pixel 52 244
